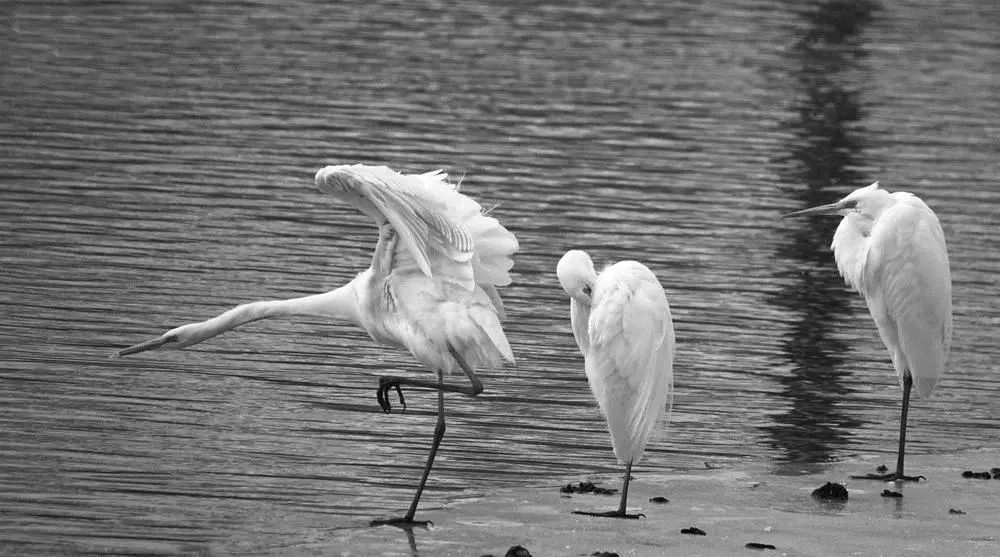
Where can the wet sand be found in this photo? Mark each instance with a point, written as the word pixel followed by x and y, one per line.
pixel 735 504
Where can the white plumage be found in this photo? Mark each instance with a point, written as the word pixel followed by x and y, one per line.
pixel 431 287
pixel 622 324
pixel 890 248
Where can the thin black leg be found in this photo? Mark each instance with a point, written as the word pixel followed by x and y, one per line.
pixel 407 520
pixel 387 383
pixel 621 512
pixel 898 475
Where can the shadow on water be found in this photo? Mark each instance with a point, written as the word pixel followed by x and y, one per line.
pixel 822 164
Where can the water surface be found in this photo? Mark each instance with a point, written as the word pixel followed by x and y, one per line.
pixel 157 164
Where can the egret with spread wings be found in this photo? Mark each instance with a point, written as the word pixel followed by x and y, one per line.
pixel 622 324
pixel 890 248
pixel 431 287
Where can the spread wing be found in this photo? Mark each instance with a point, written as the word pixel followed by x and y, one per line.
pixel 630 359
pixel 426 212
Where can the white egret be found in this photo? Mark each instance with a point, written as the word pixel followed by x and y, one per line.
pixel 431 288
pixel 621 321
pixel 891 249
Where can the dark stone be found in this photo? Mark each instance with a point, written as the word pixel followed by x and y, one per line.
pixel 658 499
pixel 976 475
pixel 755 545
pixel 830 492
pixel 882 469
pixel 968 474
pixel 995 472
pixel 603 554
pixel 517 551
pixel 693 531
pixel 955 511
pixel 889 493
pixel 587 487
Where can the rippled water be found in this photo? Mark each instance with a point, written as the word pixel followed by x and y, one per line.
pixel 156 164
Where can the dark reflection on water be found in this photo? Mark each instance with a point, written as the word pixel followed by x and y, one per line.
pixel 155 168
pixel 827 151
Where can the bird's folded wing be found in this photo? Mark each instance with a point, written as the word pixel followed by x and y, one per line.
pixel 631 356
pixel 908 291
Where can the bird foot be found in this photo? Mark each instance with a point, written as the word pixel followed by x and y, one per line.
pixel 382 394
pixel 611 514
pixel 890 477
pixel 402 522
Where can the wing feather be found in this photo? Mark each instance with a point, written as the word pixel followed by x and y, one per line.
pixel 424 210
pixel 630 360
pixel 908 291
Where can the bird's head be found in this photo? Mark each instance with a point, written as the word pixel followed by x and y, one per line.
pixel 576 274
pixel 181 337
pixel 868 202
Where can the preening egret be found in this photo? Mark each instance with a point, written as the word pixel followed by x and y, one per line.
pixel 891 249
pixel 431 287
pixel 621 321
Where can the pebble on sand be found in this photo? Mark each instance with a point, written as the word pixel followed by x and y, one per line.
pixel 830 492
pixel 587 487
pixel 693 530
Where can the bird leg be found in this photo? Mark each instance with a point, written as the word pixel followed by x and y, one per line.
pixel 898 475
pixel 406 522
pixel 621 512
pixel 387 383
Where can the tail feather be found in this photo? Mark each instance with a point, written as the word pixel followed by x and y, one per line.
pixel 489 324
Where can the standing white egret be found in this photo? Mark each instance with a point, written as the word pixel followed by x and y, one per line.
pixel 890 248
pixel 621 321
pixel 431 288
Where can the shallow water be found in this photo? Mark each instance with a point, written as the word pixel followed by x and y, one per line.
pixel 157 165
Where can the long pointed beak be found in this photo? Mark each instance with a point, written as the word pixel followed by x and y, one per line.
pixel 828 209
pixel 144 346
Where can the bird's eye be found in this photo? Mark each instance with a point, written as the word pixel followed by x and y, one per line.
pixel 851 203
pixel 586 290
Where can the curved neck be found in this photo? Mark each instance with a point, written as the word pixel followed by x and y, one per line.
pixel 579 316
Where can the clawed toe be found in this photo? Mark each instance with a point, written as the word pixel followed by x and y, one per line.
pixel 402 522
pixel 382 394
pixel 612 514
pixel 891 477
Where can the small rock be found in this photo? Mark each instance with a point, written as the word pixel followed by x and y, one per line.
pixel 658 499
pixel 882 469
pixel 831 492
pixel 889 493
pixel 603 554
pixel 517 551
pixel 955 511
pixel 995 472
pixel 693 531
pixel 755 545
pixel 586 487
pixel 967 474
pixel 977 475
